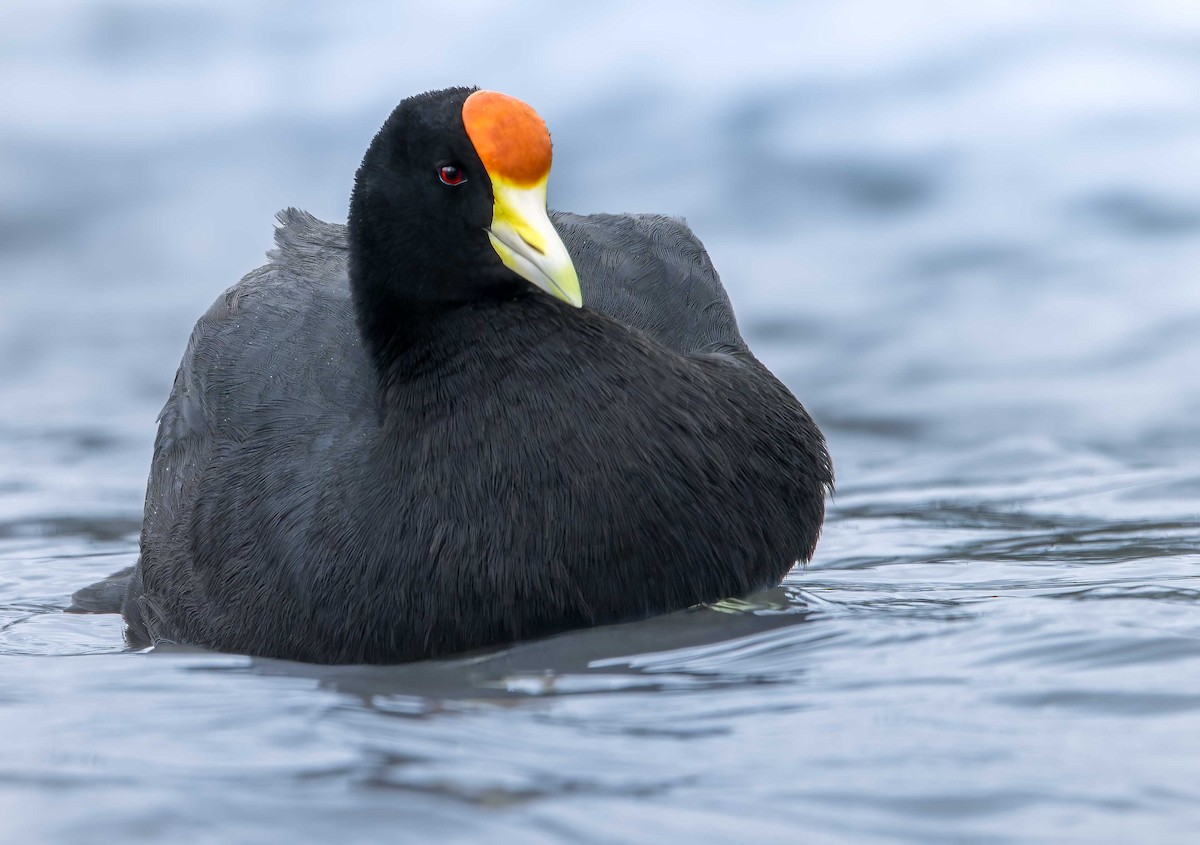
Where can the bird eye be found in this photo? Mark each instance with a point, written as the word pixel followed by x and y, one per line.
pixel 452 174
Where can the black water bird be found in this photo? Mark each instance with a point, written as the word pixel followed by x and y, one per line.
pixel 405 438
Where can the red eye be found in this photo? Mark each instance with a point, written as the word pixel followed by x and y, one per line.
pixel 452 175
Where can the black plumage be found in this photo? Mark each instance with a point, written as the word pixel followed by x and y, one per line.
pixel 384 445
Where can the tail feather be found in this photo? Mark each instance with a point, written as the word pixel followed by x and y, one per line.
pixel 104 596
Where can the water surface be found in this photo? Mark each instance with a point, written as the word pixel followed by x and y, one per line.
pixel 968 238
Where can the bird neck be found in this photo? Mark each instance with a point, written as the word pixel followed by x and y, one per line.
pixel 403 289
pixel 392 298
pixel 393 330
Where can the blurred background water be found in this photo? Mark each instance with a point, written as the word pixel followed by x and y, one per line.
pixel 966 235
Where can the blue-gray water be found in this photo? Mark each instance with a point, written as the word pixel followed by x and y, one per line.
pixel 966 235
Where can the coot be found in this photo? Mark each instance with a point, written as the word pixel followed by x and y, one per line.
pixel 406 438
